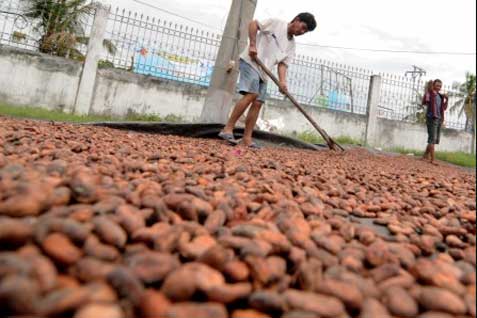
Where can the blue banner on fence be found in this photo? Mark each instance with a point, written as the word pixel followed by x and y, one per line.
pixel 173 67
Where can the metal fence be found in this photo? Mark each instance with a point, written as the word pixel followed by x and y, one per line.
pixel 325 84
pixel 401 99
pixel 163 49
pixel 160 48
pixel 39 26
pixel 173 51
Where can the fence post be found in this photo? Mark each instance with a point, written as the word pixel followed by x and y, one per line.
pixel 95 46
pixel 374 97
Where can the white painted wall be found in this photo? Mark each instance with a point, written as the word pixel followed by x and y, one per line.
pixel 32 79
pixel 335 123
pixel 393 133
pixel 120 92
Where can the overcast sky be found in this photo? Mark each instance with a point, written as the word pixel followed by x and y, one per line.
pixel 417 25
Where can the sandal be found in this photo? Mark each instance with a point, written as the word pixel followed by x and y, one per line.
pixel 228 137
pixel 253 145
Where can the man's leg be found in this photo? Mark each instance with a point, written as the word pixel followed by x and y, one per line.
pixel 437 137
pixel 238 111
pixel 427 153
pixel 250 122
pixel 432 153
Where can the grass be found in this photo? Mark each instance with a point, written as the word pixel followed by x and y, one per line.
pixel 313 138
pixel 458 158
pixel 56 115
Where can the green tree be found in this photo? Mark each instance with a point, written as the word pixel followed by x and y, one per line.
pixel 465 104
pixel 60 24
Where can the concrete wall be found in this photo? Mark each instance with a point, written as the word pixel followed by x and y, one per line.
pixel 119 92
pixel 33 79
pixel 334 122
pixel 393 133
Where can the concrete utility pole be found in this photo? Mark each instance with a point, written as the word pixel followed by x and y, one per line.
pixel 416 73
pixel 474 124
pixel 224 79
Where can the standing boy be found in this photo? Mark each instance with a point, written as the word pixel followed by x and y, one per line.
pixel 436 106
pixel 273 42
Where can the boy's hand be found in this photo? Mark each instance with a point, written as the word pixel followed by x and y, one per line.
pixel 252 52
pixel 283 88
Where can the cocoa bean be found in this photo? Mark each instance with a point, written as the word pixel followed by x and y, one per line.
pixel 99 292
pixel 110 232
pixel 439 299
pixel 93 247
pixel 126 284
pixel 90 269
pixel 268 301
pixel 19 294
pixel 237 271
pixel 349 294
pixel 154 304
pixel 61 249
pixel 63 300
pixel 229 293
pixel 206 310
pixel 15 232
pixel 372 308
pixel 130 218
pixel 400 303
pixel 100 311
pixel 248 313
pixel 152 267
pixel 324 306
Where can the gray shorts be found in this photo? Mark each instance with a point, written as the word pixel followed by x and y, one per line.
pixel 251 83
pixel 434 131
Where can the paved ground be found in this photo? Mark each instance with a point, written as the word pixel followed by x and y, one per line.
pixel 102 223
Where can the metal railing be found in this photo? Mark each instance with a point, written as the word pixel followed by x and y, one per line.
pixel 162 49
pixel 401 99
pixel 172 51
pixel 40 27
pixel 324 84
pixel 15 28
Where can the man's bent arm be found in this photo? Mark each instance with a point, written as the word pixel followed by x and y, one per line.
pixel 252 33
pixel 282 76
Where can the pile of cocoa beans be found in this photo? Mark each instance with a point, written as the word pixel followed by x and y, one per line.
pixel 113 224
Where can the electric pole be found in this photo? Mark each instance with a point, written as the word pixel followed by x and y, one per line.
pixel 224 78
pixel 474 124
pixel 416 73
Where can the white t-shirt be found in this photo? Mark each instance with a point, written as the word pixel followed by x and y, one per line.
pixel 273 46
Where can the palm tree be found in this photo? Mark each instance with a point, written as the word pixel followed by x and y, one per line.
pixel 465 104
pixel 61 25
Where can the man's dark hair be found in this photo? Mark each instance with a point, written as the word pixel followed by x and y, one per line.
pixel 309 20
pixel 437 81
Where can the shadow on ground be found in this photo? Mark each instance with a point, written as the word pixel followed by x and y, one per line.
pixel 208 131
